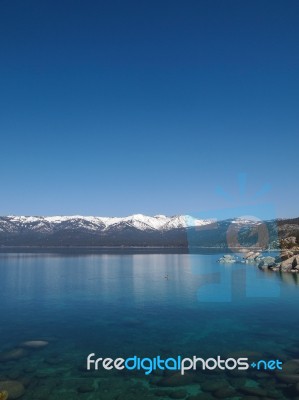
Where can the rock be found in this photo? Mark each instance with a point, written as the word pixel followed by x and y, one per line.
pixel 254 391
pixel 289 373
pixel 285 255
pixel 290 367
pixel 25 380
pixel 35 344
pixel 14 354
pixel 85 388
pixel 227 258
pixel 15 389
pixel 252 256
pixel 249 254
pixel 288 242
pixel 3 395
pixel 214 385
pixel 224 393
pixel 262 265
pixel 268 260
pixel 290 263
pixel 275 269
pixel 13 375
pixel 288 378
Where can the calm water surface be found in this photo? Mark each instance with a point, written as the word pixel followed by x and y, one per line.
pixel 119 305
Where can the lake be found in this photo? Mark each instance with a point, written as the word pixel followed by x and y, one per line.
pixel 125 303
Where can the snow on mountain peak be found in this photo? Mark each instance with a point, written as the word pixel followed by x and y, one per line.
pixel 138 221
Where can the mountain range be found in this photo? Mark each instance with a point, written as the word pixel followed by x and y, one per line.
pixel 137 230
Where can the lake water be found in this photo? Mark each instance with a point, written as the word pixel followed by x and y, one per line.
pixel 120 304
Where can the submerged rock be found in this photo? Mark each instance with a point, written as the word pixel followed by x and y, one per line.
pixel 35 344
pixel 290 372
pixel 14 354
pixel 85 388
pixel 3 395
pixel 178 394
pixel 15 389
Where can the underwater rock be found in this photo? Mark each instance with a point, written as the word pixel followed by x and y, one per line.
pixel 178 394
pixel 290 367
pixel 3 395
pixel 15 389
pixel 85 388
pixel 13 375
pixel 25 380
pixel 254 391
pixel 224 393
pixel 34 344
pixel 214 385
pixel 288 378
pixel 14 354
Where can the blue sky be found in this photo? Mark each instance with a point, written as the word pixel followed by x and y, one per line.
pixel 120 107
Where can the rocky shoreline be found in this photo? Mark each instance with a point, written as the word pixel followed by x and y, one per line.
pixel 287 261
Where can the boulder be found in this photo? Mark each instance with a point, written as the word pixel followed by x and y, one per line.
pixel 15 389
pixel 35 344
pixel 3 395
pixel 285 255
pixel 269 260
pixel 290 263
pixel 287 242
pixel 227 258
pixel 249 254
pixel 14 354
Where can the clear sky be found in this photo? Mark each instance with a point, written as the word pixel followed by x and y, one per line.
pixel 119 107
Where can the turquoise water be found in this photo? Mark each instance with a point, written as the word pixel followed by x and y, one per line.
pixel 120 305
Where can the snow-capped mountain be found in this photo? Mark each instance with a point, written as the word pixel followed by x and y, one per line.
pixel 138 221
pixel 134 230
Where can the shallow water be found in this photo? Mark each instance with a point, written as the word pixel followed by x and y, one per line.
pixel 120 305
